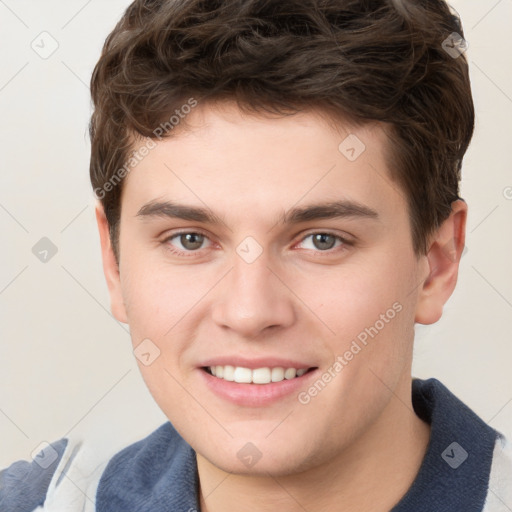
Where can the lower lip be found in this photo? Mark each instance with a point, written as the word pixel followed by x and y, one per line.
pixel 256 395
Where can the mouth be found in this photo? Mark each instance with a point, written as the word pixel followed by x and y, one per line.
pixel 262 376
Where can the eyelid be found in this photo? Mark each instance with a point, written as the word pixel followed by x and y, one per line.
pixel 345 240
pixel 184 231
pixel 342 236
pixel 175 234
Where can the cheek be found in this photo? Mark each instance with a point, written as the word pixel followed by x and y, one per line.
pixel 352 297
pixel 156 296
pixel 166 304
pixel 368 309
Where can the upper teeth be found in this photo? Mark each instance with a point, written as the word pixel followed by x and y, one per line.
pixel 256 376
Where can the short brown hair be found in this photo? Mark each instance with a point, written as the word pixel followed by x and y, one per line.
pixel 363 60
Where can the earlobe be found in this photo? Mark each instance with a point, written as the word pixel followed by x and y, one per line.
pixel 445 251
pixel 110 267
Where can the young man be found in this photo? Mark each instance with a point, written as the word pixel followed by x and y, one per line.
pixel 278 206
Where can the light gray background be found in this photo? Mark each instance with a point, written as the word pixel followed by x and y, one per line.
pixel 66 365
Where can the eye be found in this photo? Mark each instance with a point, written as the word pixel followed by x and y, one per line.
pixel 187 243
pixel 323 241
pixel 184 242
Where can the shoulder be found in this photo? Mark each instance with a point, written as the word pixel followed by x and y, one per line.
pixel 158 447
pixel 148 456
pixel 24 485
pixel 499 497
pixel 157 473
pixel 466 462
pixel 66 473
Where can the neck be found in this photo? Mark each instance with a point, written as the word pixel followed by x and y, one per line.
pixel 372 474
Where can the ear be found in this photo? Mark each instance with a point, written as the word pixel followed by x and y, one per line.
pixel 443 256
pixel 110 267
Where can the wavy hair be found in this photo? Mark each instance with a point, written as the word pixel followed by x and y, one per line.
pixel 360 60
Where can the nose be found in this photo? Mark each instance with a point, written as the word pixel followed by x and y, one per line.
pixel 253 298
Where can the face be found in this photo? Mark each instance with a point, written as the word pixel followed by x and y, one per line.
pixel 251 247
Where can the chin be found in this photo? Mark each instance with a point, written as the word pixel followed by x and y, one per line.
pixel 261 459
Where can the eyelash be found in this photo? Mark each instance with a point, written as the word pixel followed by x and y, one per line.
pixel 187 254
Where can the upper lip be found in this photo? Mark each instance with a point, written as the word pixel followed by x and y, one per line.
pixel 257 362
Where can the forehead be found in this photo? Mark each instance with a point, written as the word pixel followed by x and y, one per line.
pixel 232 162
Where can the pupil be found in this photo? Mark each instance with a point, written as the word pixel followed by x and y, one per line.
pixel 321 242
pixel 191 240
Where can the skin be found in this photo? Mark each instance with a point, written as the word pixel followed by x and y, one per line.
pixel 358 441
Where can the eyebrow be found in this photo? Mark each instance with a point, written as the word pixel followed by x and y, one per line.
pixel 297 215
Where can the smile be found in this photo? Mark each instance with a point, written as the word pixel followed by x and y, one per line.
pixel 264 375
